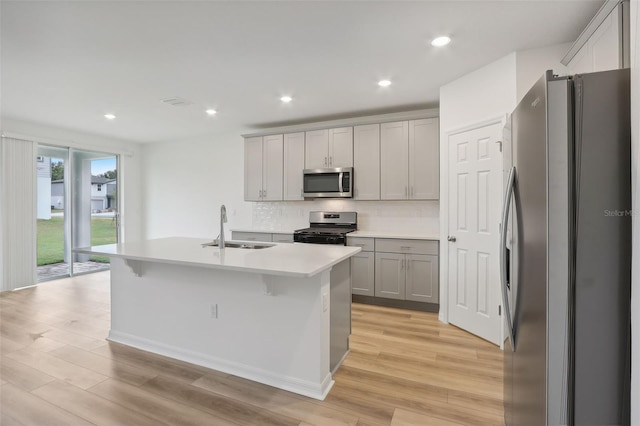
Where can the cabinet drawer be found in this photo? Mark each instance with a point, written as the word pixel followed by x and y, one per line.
pixel 282 238
pixel 367 244
pixel 251 236
pixel 406 246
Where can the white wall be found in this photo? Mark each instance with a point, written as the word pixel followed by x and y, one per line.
pixel 399 216
pixel 532 64
pixel 635 165
pixel 186 182
pixel 129 167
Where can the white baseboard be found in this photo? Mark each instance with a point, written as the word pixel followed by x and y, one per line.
pixel 291 384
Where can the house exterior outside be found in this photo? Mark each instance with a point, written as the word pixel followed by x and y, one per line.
pixel 103 192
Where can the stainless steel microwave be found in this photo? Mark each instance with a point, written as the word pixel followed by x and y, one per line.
pixel 328 183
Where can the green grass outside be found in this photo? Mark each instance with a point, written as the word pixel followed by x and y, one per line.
pixel 51 238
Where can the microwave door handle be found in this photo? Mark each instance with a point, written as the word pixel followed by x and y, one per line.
pixel 340 182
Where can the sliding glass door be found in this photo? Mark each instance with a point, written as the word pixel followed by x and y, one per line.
pixel 95 219
pixel 77 206
pixel 53 224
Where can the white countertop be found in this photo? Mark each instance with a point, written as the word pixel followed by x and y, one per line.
pixel 286 259
pixel 394 234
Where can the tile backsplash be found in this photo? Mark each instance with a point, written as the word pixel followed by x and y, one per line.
pixel 420 216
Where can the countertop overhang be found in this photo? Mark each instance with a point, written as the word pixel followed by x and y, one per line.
pixel 283 259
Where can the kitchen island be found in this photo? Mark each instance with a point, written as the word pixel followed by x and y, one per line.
pixel 279 315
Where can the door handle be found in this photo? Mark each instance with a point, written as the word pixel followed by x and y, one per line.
pixel 509 191
pixel 325 161
pixel 330 160
pixel 340 186
pixel 451 239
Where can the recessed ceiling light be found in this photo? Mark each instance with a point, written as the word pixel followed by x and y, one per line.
pixel 384 83
pixel 109 116
pixel 440 41
pixel 211 111
pixel 286 99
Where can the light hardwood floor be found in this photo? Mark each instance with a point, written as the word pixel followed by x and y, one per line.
pixel 405 368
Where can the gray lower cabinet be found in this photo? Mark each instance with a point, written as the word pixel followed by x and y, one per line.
pixel 422 278
pixel 396 269
pixel 251 236
pixel 362 273
pixel 390 275
pixel 262 236
pixel 282 238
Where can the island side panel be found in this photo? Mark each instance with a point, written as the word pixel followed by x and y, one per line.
pixel 282 339
pixel 340 313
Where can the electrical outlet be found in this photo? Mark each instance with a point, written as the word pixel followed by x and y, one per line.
pixel 214 310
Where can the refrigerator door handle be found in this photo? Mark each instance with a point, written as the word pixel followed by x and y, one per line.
pixel 503 253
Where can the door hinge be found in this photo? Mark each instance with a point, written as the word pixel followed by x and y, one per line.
pixel 499 310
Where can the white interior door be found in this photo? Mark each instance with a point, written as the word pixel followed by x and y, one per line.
pixel 475 184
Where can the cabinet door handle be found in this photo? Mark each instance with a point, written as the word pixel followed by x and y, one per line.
pixel 406 191
pixel 325 161
pixel 331 161
pixel 264 193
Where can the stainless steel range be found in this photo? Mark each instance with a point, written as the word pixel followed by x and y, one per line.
pixel 327 228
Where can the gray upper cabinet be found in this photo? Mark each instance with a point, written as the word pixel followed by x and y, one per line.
pixel 263 168
pixel 366 162
pixel 394 160
pixel 391 161
pixel 316 149
pixel 329 148
pixel 293 165
pixel 341 147
pixel 424 159
pixel 409 160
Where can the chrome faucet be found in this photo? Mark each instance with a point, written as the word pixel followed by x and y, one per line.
pixel 223 220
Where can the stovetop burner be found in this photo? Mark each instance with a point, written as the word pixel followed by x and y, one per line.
pixel 321 230
pixel 327 228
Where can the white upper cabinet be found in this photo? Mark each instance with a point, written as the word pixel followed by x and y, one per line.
pixel 394 161
pixel 366 162
pixel 329 148
pixel 341 147
pixel 272 168
pixel 409 160
pixel 253 169
pixel 293 165
pixel 603 51
pixel 263 168
pixel 316 149
pixel 424 159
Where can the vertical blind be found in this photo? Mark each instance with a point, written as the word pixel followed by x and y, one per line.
pixel 18 236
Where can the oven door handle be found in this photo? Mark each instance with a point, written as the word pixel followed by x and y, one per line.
pixel 340 176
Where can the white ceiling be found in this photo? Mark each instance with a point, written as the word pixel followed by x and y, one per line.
pixel 68 63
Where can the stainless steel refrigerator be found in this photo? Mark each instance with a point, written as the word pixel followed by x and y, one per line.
pixel 566 260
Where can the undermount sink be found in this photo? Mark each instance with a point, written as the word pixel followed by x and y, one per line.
pixel 239 244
